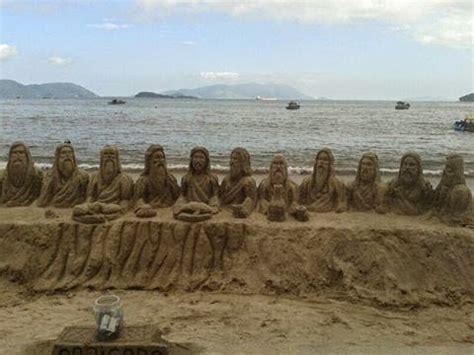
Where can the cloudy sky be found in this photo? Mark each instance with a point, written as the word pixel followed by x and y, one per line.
pixel 346 49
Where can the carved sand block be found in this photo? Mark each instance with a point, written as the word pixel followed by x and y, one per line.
pixel 409 193
pixel 21 182
pixel 156 187
pixel 65 185
pixel 277 193
pixel 452 197
pixel 133 340
pixel 322 191
pixel 199 189
pixel 367 192
pixel 238 190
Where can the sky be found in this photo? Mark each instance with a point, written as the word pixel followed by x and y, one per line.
pixel 338 49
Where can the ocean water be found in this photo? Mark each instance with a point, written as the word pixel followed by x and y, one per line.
pixel 349 128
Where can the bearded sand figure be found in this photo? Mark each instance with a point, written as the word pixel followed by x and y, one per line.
pixel 238 190
pixel 277 193
pixel 367 192
pixel 65 185
pixel 21 182
pixel 409 193
pixel 199 189
pixel 156 187
pixel 110 190
pixel 322 191
pixel 452 197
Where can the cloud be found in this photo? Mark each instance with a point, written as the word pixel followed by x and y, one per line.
pixel 7 51
pixel 59 61
pixel 219 75
pixel 443 22
pixel 188 43
pixel 109 26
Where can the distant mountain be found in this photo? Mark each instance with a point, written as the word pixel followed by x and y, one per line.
pixel 152 95
pixel 10 89
pixel 467 98
pixel 243 91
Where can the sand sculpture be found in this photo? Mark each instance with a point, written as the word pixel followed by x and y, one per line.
pixel 199 189
pixel 367 192
pixel 410 193
pixel 322 191
pixel 65 185
pixel 452 197
pixel 21 182
pixel 238 190
pixel 109 193
pixel 278 194
pixel 156 187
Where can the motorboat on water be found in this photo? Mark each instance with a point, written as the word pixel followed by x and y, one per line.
pixel 402 105
pixel 293 105
pixel 117 102
pixel 466 125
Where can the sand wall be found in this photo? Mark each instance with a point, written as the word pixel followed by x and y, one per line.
pixel 397 265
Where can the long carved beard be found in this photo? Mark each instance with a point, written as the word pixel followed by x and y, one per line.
pixel 66 168
pixel 158 177
pixel 109 172
pixel 17 173
pixel 321 178
pixel 235 172
pixel 407 179
pixel 278 177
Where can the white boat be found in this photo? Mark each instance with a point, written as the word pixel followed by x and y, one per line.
pixel 259 98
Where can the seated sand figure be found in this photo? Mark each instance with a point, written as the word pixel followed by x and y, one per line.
pixel 238 190
pixel 322 191
pixel 156 187
pixel 367 192
pixel 65 185
pixel 277 193
pixel 452 197
pixel 21 182
pixel 199 189
pixel 410 193
pixel 110 190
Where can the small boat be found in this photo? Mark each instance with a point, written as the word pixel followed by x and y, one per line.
pixel 259 98
pixel 116 102
pixel 401 105
pixel 466 125
pixel 293 105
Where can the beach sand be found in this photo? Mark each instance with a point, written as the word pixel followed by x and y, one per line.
pixel 353 283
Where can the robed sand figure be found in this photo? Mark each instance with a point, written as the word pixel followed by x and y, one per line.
pixel 156 187
pixel 409 193
pixel 238 190
pixel 278 194
pixel 367 192
pixel 110 190
pixel 65 185
pixel 21 181
pixel 322 191
pixel 199 189
pixel 452 197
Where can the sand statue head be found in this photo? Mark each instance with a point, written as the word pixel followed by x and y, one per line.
pixel 368 171
pixel 110 165
pixel 155 160
pixel 323 168
pixel 199 161
pixel 240 163
pixel 278 170
pixel 453 173
pixel 20 163
pixel 411 171
pixel 64 163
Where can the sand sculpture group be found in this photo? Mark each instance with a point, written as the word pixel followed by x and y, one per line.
pixel 109 193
